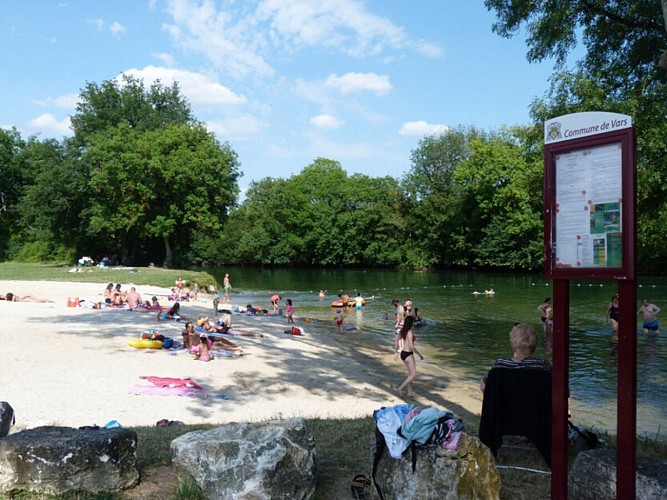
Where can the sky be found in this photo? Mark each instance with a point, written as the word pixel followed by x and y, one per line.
pixel 283 82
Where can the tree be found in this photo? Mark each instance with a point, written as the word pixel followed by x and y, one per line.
pixel 624 40
pixel 112 103
pixel 434 198
pixel 11 184
pixel 167 184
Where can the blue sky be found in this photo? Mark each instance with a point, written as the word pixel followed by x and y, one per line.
pixel 283 81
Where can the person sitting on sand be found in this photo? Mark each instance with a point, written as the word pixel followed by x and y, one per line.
pixel 118 296
pixel 133 298
pixel 203 354
pixel 10 297
pixel 173 313
pixel 108 293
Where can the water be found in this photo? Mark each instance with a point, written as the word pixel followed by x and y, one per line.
pixel 467 332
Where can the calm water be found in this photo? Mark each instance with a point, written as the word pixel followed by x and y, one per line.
pixel 468 333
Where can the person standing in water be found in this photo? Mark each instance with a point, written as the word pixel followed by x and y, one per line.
pixel 612 316
pixel 228 287
pixel 545 314
pixel 650 312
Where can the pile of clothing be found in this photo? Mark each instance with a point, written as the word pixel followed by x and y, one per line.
pixel 402 425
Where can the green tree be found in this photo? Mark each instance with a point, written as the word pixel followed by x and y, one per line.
pixel 167 184
pixel 623 40
pixel 51 203
pixel 12 181
pixel 113 103
pixel 435 199
pixel 504 212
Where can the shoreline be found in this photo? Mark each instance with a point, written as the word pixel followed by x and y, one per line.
pixel 73 366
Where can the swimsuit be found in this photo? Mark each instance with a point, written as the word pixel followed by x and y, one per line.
pixel 653 325
pixel 613 312
pixel 406 354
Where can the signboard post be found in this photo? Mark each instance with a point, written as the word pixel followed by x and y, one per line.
pixel 590 233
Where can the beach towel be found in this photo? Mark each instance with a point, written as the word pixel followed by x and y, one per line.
pixel 172 382
pixel 166 386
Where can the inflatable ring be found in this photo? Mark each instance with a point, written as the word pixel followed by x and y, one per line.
pixel 146 344
pixel 350 303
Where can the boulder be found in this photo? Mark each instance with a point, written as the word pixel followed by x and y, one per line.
pixel 593 476
pixel 6 418
pixel 57 460
pixel 469 472
pixel 274 459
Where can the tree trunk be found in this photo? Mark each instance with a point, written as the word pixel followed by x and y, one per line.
pixel 168 253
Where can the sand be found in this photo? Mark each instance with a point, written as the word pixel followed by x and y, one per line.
pixel 73 366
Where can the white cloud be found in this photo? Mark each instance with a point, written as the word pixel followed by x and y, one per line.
pixel 236 129
pixel 356 82
pixel 241 38
pixel 68 101
pixel 48 124
pixel 116 28
pixel 198 88
pixel 326 121
pixel 422 128
pixel 164 58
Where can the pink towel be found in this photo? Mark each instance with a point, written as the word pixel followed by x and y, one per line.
pixel 173 382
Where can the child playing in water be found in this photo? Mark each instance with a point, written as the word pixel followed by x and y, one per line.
pixel 339 320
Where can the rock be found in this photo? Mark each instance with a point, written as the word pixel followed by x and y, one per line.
pixel 56 460
pixel 467 472
pixel 6 418
pixel 273 459
pixel 593 476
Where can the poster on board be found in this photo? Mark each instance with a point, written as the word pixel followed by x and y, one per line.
pixel 588 207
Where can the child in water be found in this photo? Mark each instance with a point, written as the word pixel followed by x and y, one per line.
pixel 339 320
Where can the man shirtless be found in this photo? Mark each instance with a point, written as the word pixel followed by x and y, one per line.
pixel 400 315
pixel 650 312
pixel 132 298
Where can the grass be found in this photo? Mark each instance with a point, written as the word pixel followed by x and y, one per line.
pixel 155 276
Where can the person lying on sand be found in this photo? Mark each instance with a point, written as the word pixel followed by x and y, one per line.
pixel 10 297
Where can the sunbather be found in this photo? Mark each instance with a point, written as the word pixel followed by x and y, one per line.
pixel 10 297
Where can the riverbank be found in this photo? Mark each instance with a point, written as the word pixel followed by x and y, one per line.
pixel 73 366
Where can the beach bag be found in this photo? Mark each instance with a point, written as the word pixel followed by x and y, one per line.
pixel 73 302
pixel 297 330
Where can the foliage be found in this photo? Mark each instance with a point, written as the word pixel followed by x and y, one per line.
pixel 320 216
pixel 624 40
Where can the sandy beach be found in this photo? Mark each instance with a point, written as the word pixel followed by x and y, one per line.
pixel 73 366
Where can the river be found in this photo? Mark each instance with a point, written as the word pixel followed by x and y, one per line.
pixel 467 332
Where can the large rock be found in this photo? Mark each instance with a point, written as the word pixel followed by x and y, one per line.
pixel 273 459
pixel 593 477
pixel 56 460
pixel 6 418
pixel 469 472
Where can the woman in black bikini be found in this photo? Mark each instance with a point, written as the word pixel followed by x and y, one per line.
pixel 612 316
pixel 405 347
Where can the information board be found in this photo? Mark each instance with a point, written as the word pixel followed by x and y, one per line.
pixel 589 196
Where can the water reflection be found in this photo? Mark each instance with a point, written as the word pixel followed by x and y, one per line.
pixel 468 331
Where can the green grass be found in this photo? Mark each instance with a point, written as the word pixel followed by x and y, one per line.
pixel 155 276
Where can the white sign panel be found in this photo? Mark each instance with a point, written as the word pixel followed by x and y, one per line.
pixel 577 125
